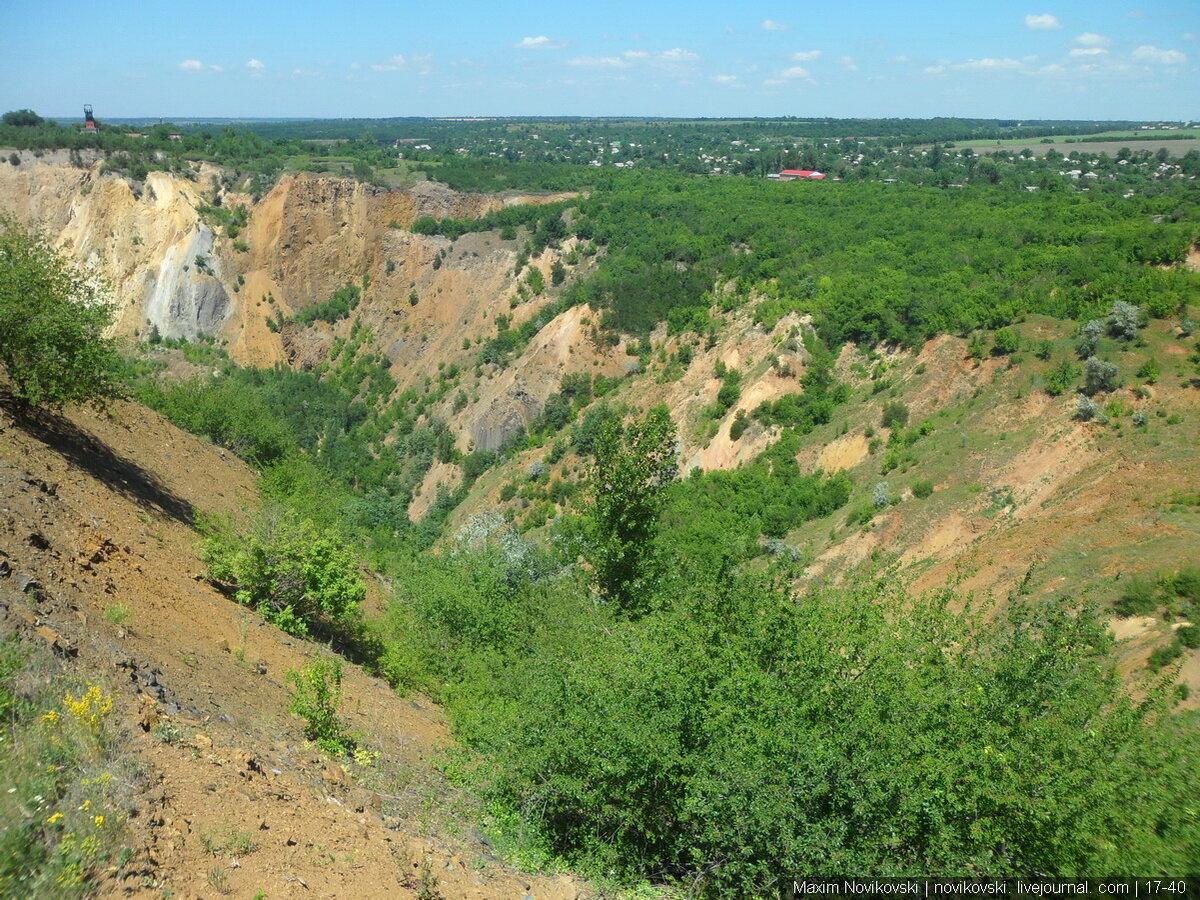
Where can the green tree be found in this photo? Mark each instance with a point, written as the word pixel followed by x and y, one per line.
pixel 633 468
pixel 1100 376
pixel 1005 341
pixel 22 118
pixel 52 322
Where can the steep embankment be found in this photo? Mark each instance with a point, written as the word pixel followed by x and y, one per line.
pixel 173 266
pixel 98 547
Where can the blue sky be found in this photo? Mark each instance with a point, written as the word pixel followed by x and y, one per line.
pixel 1101 59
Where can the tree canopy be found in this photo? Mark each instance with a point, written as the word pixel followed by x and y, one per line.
pixel 53 318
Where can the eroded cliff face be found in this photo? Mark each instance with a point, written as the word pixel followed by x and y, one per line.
pixel 173 268
pixel 430 302
pixel 144 240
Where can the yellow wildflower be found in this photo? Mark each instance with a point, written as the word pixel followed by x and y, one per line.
pixel 99 820
pixel 91 707
pixel 54 818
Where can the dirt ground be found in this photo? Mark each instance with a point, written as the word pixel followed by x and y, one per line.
pixel 98 511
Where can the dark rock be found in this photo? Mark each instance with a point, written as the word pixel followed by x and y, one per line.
pixel 28 584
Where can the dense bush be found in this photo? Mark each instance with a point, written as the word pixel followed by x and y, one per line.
pixel 895 415
pixel 1099 376
pixel 736 733
pixel 718 516
pixel 1189 636
pixel 340 304
pixel 297 576
pixel 871 262
pixel 922 489
pixel 1005 341
pixel 1061 378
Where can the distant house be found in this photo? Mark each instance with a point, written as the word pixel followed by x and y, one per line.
pixel 798 174
pixel 174 136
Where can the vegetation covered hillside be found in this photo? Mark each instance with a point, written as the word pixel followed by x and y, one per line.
pixel 740 527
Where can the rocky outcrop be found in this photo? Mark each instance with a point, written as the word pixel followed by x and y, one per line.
pixel 172 269
pixel 505 416
pixel 184 298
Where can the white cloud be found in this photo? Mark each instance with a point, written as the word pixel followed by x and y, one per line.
pixel 1150 54
pixel 848 63
pixel 399 63
pixel 599 62
pixel 257 67
pixel 1043 22
pixel 935 70
pixel 1091 39
pixel 541 42
pixel 806 55
pixel 795 72
pixel 1079 52
pixel 192 65
pixel 988 64
pixel 1189 35
pixel 679 55
pixel 636 54
pixel 772 25
pixel 901 60
pixel 725 79
pixel 394 64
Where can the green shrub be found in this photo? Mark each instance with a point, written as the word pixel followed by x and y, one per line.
pixel 294 574
pixel 922 489
pixel 734 732
pixel 895 415
pixel 740 423
pixel 1139 598
pixel 1149 371
pixel 1164 656
pixel 1189 636
pixel 1061 378
pixel 1184 583
pixel 317 695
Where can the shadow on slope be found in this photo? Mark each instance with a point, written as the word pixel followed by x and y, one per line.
pixel 86 452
